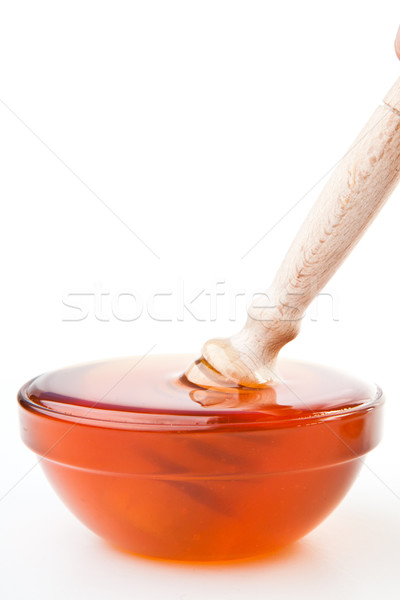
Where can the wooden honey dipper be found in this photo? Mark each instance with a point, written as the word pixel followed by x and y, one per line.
pixel 350 200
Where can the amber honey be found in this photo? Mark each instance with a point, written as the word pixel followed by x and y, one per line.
pixel 163 468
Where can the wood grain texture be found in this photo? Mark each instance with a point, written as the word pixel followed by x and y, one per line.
pixel 347 205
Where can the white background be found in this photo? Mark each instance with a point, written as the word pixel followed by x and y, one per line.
pixel 200 124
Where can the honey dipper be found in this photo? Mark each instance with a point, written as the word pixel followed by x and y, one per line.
pixel 349 202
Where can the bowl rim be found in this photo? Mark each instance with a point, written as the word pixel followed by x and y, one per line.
pixel 167 421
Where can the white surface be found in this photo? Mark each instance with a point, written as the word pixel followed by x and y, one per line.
pixel 176 114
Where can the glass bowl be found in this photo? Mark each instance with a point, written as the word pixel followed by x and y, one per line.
pixel 163 468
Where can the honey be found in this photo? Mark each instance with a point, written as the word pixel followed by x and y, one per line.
pixel 166 469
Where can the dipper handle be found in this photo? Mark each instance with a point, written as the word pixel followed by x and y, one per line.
pixel 353 196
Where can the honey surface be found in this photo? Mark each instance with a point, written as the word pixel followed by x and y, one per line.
pixel 154 385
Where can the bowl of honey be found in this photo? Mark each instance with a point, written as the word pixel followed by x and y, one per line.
pixel 163 468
